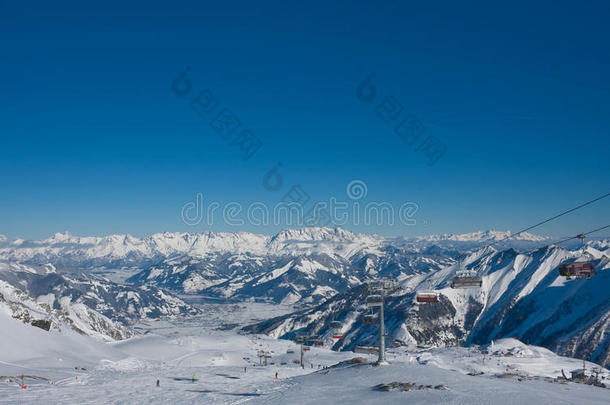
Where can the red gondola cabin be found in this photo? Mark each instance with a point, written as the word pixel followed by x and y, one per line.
pixel 577 269
pixel 426 297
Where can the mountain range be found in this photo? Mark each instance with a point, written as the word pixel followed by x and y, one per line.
pixel 299 265
pixel 67 251
pixel 322 272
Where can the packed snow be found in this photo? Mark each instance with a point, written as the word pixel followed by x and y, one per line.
pixel 195 361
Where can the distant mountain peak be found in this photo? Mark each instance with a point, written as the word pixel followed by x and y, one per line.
pixel 488 235
pixel 314 233
pixel 59 237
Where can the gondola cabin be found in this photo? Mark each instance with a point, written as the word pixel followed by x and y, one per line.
pixel 369 320
pixel 366 349
pixel 466 279
pixel 426 297
pixel 338 336
pixel 318 343
pixel 336 325
pixel 577 269
pixel 374 301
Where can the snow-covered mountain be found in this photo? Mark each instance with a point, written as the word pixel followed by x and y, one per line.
pixel 473 240
pixel 298 265
pixel 484 236
pixel 70 316
pixel 323 270
pixel 303 277
pixel 88 304
pixel 522 296
pixel 67 251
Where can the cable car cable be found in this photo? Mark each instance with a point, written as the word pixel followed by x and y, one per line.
pixel 550 219
pixel 578 236
pixel 601 197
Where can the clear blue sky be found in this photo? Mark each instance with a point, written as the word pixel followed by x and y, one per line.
pixel 94 142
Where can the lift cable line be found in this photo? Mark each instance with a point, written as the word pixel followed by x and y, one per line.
pixel 601 197
pixel 550 219
pixel 580 235
pixel 467 279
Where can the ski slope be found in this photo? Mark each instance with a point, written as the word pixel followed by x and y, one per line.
pixel 353 385
pixel 173 352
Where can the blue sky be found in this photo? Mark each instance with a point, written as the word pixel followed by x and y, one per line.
pixel 95 142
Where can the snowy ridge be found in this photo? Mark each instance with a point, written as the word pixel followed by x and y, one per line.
pixel 243 265
pixel 91 299
pixel 69 250
pixel 70 316
pixel 485 236
pixel 288 278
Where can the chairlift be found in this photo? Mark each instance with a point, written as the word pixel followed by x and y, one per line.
pixel 369 319
pixel 336 325
pixel 374 300
pixel 366 349
pixel 313 340
pixel 382 284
